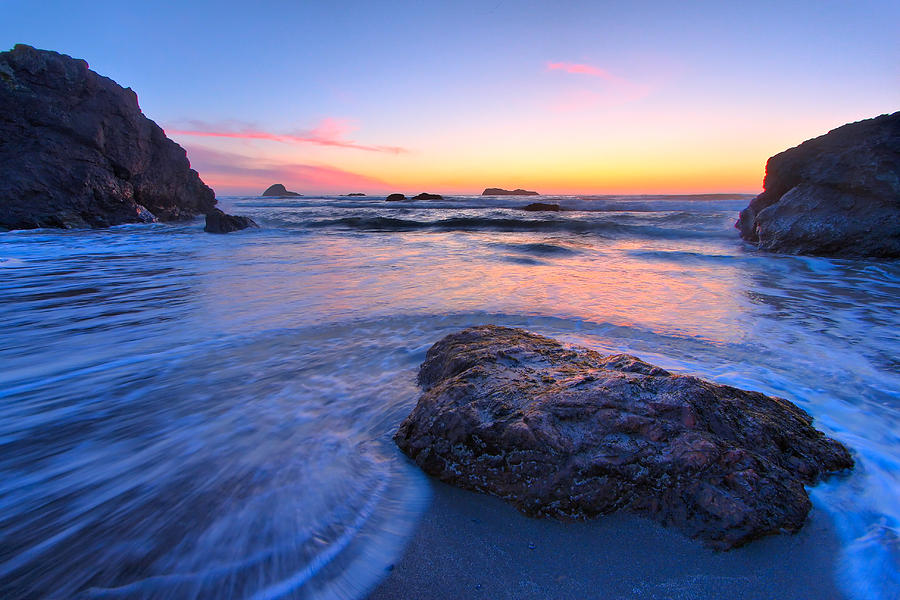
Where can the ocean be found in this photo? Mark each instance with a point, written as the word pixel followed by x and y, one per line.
pixel 186 415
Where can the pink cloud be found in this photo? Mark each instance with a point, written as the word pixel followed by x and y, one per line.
pixel 579 69
pixel 230 173
pixel 613 90
pixel 329 132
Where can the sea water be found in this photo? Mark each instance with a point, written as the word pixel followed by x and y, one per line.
pixel 186 415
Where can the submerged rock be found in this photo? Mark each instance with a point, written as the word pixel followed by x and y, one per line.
pixel 427 196
pixel 279 191
pixel 76 151
pixel 541 207
pixel 836 195
pixel 563 431
pixel 220 222
pixel 395 198
pixel 502 192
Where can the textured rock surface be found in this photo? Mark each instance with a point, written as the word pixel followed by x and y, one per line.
pixel 220 222
pixel 396 198
pixel 279 191
pixel 541 207
pixel 427 196
pixel 76 151
pixel 837 194
pixel 563 431
pixel 502 192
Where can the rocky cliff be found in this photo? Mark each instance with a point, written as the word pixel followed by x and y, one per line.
pixel 837 194
pixel 76 150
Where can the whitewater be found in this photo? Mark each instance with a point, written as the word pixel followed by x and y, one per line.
pixel 186 415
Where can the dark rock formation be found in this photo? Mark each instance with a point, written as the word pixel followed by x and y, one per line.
pixel 395 198
pixel 356 194
pixel 220 222
pixel 837 194
pixel 427 196
pixel 278 190
pixel 541 206
pixel 563 431
pixel 502 192
pixel 76 151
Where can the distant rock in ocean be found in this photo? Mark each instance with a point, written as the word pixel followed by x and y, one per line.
pixel 220 222
pixel 76 151
pixel 278 190
pixel 502 192
pixel 427 196
pixel 563 431
pixel 356 194
pixel 395 198
pixel 834 195
pixel 541 206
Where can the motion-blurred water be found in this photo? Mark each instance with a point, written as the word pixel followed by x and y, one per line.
pixel 184 415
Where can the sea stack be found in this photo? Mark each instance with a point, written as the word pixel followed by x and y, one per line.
pixel 502 192
pixel 563 431
pixel 834 195
pixel 76 150
pixel 427 196
pixel 278 190
pixel 396 198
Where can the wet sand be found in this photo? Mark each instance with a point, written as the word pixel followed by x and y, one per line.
pixel 472 546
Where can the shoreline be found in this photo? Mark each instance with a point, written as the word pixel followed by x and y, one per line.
pixel 469 545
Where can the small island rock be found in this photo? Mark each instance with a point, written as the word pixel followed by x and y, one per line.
pixel 541 207
pixel 502 192
pixel 356 194
pixel 278 190
pixel 395 198
pixel 427 196
pixel 563 431
pixel 834 195
pixel 76 150
pixel 220 222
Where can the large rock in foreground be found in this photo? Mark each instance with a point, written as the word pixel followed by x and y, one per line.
pixel 76 151
pixel 563 431
pixel 835 195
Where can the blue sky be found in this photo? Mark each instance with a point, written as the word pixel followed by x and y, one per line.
pixel 570 97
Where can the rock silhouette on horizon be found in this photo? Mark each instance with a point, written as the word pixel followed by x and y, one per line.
pixel 76 150
pixel 834 195
pixel 563 431
pixel 356 194
pixel 395 198
pixel 502 192
pixel 427 196
pixel 278 190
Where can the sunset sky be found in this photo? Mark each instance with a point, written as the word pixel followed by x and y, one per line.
pixel 453 97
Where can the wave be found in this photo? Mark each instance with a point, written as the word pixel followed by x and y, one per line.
pixel 566 225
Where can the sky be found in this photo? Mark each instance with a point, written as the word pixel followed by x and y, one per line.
pixel 453 97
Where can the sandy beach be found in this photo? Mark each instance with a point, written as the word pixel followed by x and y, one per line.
pixel 468 545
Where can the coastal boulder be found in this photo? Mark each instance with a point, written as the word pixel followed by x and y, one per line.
pixel 76 151
pixel 220 222
pixel 395 198
pixel 834 195
pixel 563 431
pixel 502 192
pixel 278 190
pixel 541 207
pixel 427 196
